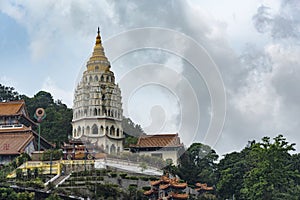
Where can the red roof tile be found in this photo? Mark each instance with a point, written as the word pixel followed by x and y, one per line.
pixel 14 143
pixel 159 140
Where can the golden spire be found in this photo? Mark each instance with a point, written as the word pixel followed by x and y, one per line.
pixel 98 38
pixel 98 57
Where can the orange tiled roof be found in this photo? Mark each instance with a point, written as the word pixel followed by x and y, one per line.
pixel 179 185
pixel 153 183
pixel 149 192
pixel 163 187
pixel 11 108
pixel 203 186
pixel 159 140
pixel 180 196
pixel 11 144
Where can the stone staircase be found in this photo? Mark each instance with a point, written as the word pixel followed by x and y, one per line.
pixel 59 179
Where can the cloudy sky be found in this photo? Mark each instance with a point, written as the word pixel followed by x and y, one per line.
pixel 253 49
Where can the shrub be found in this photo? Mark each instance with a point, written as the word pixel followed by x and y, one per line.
pixel 146 188
pixel 133 185
pixel 113 175
pixel 153 178
pixel 123 175
pixel 144 178
pixel 55 153
pixel 133 178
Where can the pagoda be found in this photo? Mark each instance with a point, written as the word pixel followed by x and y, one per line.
pixel 97 107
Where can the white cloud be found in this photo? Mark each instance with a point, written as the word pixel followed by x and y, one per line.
pixel 57 92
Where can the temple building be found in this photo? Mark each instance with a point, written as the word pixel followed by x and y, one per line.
pixel 165 146
pixel 167 188
pixel 16 133
pixel 97 107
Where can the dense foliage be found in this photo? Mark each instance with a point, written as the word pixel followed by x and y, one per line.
pixel 131 131
pixel 8 93
pixel 263 170
pixel 198 164
pixel 57 124
pixel 10 194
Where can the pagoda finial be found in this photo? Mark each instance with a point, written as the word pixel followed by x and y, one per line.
pixel 98 38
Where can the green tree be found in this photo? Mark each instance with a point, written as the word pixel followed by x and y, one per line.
pixel 7 194
pixel 198 164
pixel 53 196
pixel 8 94
pixel 270 175
pixel 231 171
pixel 129 140
pixel 57 125
pixel 131 129
pixel 25 195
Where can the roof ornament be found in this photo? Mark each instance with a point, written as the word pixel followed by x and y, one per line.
pixel 98 38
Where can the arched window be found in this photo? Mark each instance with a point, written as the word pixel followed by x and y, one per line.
pixel 102 78
pixel 87 130
pixel 118 132
pixel 95 129
pixel 101 130
pixel 113 149
pixel 95 111
pixel 82 130
pixel 78 131
pixel 112 130
pixel 96 78
pixel 106 130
